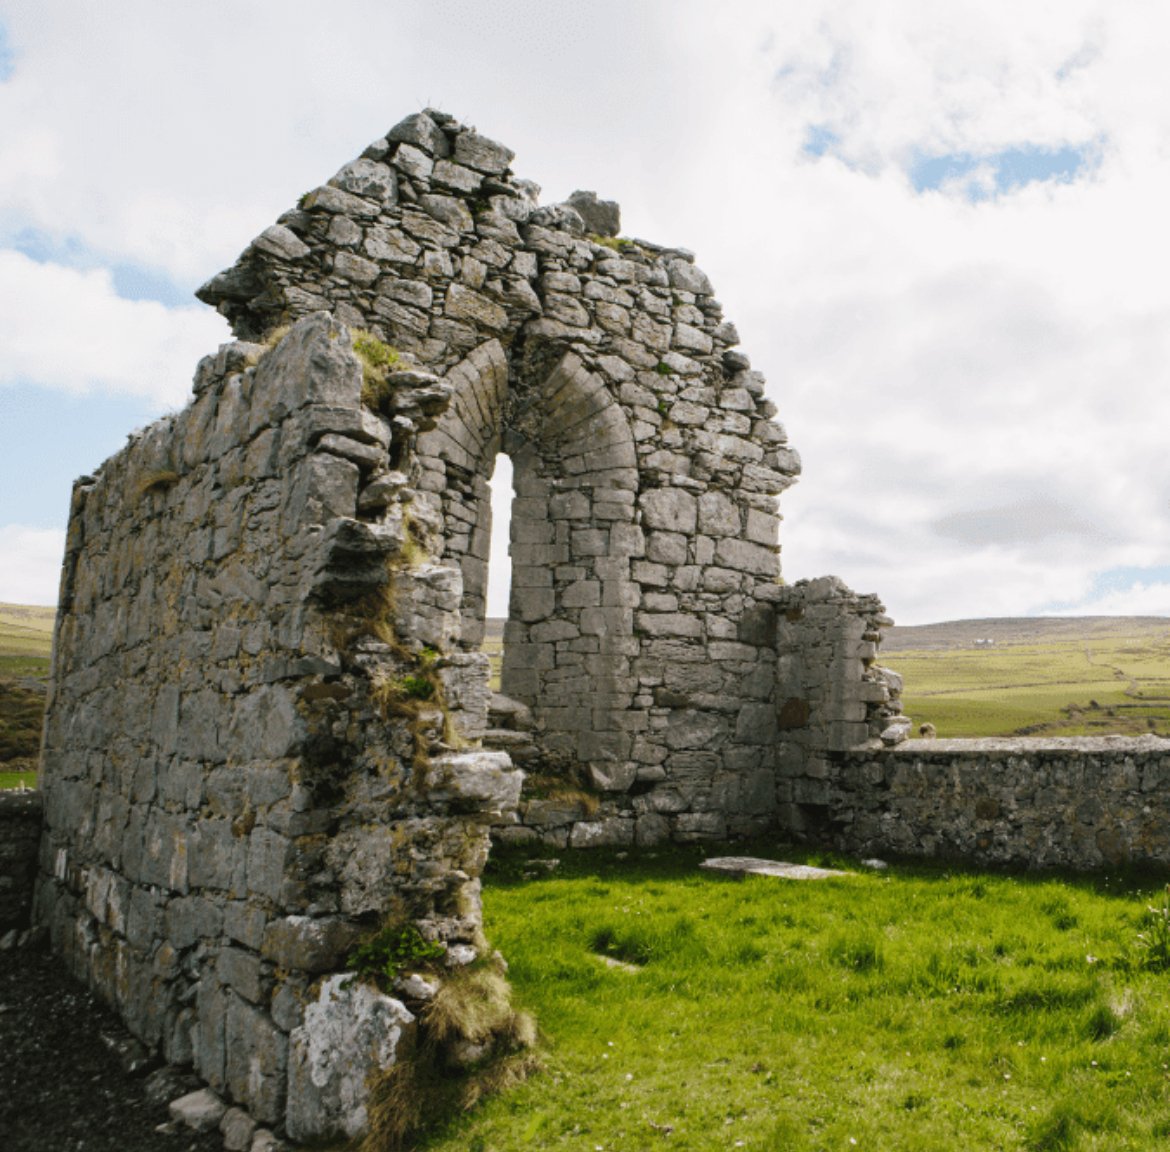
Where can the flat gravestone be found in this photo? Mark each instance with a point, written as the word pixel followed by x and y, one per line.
pixel 753 866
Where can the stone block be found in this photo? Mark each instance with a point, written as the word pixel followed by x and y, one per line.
pixel 612 832
pixel 257 1061
pixel 670 509
pixel 309 944
pixel 200 1111
pixel 350 1033
pixel 666 548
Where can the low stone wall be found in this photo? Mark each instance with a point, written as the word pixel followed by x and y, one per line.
pixel 1081 803
pixel 20 836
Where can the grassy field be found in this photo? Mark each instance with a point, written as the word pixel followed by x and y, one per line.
pixel 26 636
pixel 1093 676
pixel 913 1008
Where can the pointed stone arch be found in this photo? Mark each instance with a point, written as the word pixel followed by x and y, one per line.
pixel 569 639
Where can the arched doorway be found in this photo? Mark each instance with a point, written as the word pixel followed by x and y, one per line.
pixel 569 640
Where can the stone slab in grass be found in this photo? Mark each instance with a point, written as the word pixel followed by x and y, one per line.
pixel 754 866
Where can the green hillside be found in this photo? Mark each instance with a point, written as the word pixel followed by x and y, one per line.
pixel 1093 676
pixel 26 637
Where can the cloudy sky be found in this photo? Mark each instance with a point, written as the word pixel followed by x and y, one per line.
pixel 939 228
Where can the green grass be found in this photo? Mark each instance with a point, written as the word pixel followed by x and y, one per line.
pixel 1106 683
pixel 18 780
pixel 910 1009
pixel 26 637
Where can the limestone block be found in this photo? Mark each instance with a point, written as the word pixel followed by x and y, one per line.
pixel 265 725
pixel 747 557
pixel 478 781
pixel 612 832
pixel 330 199
pixel 718 514
pixel 350 1032
pixel 672 509
pixel 678 624
pixel 422 132
pixel 309 944
pixel 651 829
pixel 200 1111
pixel 464 303
pixel 268 855
pixel 257 1060
pixel 613 775
pixel 237 1128
pixel 666 548
pixel 482 154
pixel 389 244
pixel 343 232
pixel 282 243
pixel 601 217
pixel 689 729
pixel 692 826
pixel 756 724
pixel 368 178
pixel 456 177
pixel 355 268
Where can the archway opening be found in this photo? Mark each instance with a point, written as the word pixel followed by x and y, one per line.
pixel 499 574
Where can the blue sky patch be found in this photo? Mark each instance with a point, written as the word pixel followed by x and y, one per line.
pixel 7 55
pixel 818 140
pixel 54 436
pixel 1124 578
pixel 1009 170
pixel 131 281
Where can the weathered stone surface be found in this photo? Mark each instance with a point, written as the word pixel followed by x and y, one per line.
pixel 308 944
pixel 421 131
pixel 601 217
pixel 349 1033
pixel 754 866
pixel 200 1111
pixel 238 1129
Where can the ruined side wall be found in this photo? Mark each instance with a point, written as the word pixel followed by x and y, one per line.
pixel 1081 803
pixel 831 694
pixel 228 802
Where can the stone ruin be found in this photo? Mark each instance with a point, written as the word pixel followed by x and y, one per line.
pixel 271 730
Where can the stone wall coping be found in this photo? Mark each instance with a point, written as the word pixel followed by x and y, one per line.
pixel 1019 745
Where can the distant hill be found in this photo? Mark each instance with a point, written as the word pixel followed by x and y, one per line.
pixel 1021 630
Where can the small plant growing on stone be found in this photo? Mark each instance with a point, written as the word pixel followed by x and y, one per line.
pixel 416 687
pixel 378 360
pixel 1154 938
pixel 616 243
pixel 394 947
pixel 471 1043
pixel 662 368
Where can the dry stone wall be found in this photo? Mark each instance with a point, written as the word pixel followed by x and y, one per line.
pixel 1080 803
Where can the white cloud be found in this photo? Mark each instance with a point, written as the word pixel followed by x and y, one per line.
pixel 68 329
pixel 31 567
pixel 948 370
